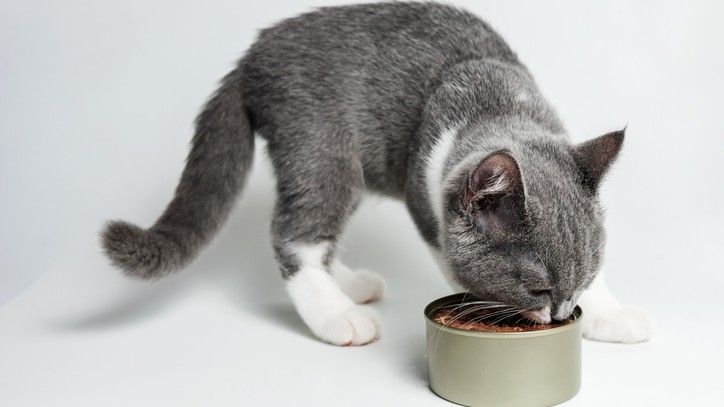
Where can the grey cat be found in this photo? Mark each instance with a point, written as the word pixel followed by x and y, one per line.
pixel 418 101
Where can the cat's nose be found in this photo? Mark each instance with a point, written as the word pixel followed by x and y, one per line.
pixel 541 316
pixel 563 310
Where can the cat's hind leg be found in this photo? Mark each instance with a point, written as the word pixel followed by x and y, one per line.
pixel 316 195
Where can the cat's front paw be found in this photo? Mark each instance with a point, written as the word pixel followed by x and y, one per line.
pixel 364 287
pixel 361 286
pixel 358 325
pixel 623 325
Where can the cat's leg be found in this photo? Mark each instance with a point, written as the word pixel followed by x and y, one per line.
pixel 361 286
pixel 315 197
pixel 606 320
pixel 328 312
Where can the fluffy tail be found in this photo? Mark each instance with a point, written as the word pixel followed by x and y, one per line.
pixel 221 154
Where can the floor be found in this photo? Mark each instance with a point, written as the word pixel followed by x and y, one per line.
pixel 96 126
pixel 223 333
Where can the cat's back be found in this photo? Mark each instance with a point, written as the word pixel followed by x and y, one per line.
pixel 331 29
pixel 358 77
pixel 362 50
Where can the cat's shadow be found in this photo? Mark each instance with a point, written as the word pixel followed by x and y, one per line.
pixel 239 264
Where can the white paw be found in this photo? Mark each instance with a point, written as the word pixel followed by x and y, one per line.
pixel 358 325
pixel 361 286
pixel 365 287
pixel 328 312
pixel 623 325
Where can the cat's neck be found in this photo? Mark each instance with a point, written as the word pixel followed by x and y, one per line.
pixel 458 150
pixel 480 107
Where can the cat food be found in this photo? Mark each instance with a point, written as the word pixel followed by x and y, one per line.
pixel 487 321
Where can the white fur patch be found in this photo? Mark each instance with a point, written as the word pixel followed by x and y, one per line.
pixel 564 310
pixel 541 316
pixel 605 319
pixel 311 255
pixel 326 310
pixel 435 166
pixel 625 325
pixel 597 298
pixel 361 286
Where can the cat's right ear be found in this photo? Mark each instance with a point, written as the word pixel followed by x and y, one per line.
pixel 494 193
pixel 594 157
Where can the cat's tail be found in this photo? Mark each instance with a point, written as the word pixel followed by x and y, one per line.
pixel 221 154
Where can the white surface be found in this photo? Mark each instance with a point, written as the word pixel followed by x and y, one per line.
pixel 97 101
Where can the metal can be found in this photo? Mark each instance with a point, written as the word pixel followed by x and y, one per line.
pixel 516 369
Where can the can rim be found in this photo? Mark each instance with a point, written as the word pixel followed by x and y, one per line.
pixel 577 314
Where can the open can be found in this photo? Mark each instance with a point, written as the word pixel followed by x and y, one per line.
pixel 516 369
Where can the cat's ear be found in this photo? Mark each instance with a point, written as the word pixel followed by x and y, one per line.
pixel 594 157
pixel 494 192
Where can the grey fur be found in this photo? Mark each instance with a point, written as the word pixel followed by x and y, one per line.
pixel 352 99
pixel 221 154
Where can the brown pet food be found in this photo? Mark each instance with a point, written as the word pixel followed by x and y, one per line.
pixel 477 321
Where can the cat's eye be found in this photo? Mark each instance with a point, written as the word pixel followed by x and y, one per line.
pixel 541 291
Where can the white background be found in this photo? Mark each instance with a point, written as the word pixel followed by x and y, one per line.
pixel 96 105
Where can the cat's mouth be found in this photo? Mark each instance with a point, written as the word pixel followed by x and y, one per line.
pixel 540 316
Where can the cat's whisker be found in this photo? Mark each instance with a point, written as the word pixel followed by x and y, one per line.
pixel 458 311
pixel 473 308
pixel 472 302
pixel 463 313
pixel 465 295
pixel 477 309
pixel 473 321
pixel 482 306
pixel 455 307
pixel 520 318
pixel 492 304
pixel 506 317
pixel 467 311
pixel 488 315
pixel 501 317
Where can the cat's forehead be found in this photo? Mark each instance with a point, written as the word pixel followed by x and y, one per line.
pixel 555 193
pixel 562 224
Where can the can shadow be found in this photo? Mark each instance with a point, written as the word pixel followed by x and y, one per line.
pixel 418 361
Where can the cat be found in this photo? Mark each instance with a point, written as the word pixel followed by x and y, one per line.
pixel 421 102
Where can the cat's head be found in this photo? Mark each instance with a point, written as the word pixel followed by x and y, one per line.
pixel 525 228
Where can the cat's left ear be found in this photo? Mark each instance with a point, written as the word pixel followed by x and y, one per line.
pixel 594 157
pixel 494 193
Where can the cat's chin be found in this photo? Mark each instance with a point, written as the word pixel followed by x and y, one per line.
pixel 539 316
